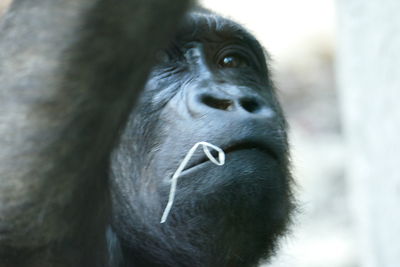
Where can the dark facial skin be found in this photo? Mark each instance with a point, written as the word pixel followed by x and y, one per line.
pixel 212 84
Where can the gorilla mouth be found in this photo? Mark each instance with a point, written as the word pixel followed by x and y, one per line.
pixel 233 148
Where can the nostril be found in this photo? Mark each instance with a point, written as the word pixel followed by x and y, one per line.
pixel 217 103
pixel 250 104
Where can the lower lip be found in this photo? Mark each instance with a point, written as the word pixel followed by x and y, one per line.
pixel 229 155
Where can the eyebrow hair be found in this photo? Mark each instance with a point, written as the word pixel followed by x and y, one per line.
pixel 201 22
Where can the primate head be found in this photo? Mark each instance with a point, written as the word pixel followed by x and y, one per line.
pixel 213 84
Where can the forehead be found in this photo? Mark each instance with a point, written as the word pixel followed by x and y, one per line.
pixel 204 25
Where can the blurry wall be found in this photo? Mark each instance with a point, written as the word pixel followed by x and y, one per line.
pixel 369 82
pixel 3 5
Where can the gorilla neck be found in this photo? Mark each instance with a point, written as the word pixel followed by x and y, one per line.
pixel 215 243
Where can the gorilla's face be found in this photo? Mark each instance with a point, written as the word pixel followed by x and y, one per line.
pixel 212 84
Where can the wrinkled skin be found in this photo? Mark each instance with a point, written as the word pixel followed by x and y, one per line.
pixel 212 84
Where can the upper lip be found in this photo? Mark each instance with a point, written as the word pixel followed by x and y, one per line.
pixel 231 148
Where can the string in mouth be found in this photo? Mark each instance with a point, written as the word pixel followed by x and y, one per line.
pixel 174 180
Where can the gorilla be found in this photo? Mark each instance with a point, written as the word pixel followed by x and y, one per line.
pixel 87 163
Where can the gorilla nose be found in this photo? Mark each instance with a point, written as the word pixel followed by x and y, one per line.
pixel 216 102
pixel 250 104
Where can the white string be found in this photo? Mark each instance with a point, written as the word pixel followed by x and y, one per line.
pixel 174 179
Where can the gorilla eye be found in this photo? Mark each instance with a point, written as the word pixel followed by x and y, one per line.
pixel 232 61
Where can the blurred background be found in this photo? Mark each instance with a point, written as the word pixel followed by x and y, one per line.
pixel 336 65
